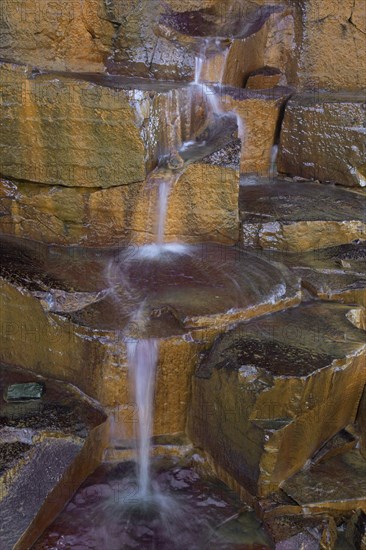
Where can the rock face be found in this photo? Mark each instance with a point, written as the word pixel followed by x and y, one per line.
pixel 123 214
pixel 83 132
pixel 272 44
pixel 274 390
pixel 327 32
pixel 124 126
pixel 41 439
pixel 34 482
pixel 63 36
pixel 151 38
pixel 296 217
pixel 323 138
pixel 259 113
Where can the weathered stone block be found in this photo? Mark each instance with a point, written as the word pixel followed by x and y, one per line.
pixel 258 113
pixel 330 40
pixel 323 137
pixel 271 392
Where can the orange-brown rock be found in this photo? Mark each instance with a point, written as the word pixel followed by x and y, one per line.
pixel 202 207
pixel 258 113
pixel 342 442
pixel 323 138
pixel 74 36
pixel 330 39
pixel 267 38
pixel 266 77
pixel 271 392
pixel 300 216
pixel 68 132
pixel 68 35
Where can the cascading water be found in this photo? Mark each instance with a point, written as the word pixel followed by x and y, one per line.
pixel 142 360
pixel 143 353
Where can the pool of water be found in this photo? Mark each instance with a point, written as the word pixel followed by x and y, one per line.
pixel 184 511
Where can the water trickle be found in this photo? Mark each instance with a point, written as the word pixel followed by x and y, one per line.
pixel 198 69
pixel 142 360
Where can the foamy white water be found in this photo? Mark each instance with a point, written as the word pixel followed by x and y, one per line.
pixel 142 361
pixel 150 251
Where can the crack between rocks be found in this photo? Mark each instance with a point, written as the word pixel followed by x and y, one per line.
pixel 91 189
pixel 350 20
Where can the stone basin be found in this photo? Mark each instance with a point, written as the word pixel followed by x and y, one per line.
pixel 198 285
pixel 216 516
pixel 59 322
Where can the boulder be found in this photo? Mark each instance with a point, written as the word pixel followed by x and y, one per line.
pixel 271 392
pixel 56 130
pixel 332 494
pixel 202 206
pixel 335 274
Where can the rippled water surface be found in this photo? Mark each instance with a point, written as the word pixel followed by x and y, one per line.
pixel 184 512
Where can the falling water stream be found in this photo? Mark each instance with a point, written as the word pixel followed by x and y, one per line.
pixel 143 353
pixel 142 359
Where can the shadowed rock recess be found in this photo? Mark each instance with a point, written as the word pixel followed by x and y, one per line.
pixel 182 275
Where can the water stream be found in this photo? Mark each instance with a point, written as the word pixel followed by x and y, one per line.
pixel 142 359
pixel 143 353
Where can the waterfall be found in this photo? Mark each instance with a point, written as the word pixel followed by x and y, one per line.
pixel 142 353
pixel 142 361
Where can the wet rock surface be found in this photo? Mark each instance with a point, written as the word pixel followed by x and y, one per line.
pixel 290 532
pixel 261 399
pixel 259 113
pixel 24 495
pixel 300 216
pixel 124 128
pixel 331 493
pixel 332 274
pixel 57 410
pixel 323 138
pixel 11 453
pixel 84 341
